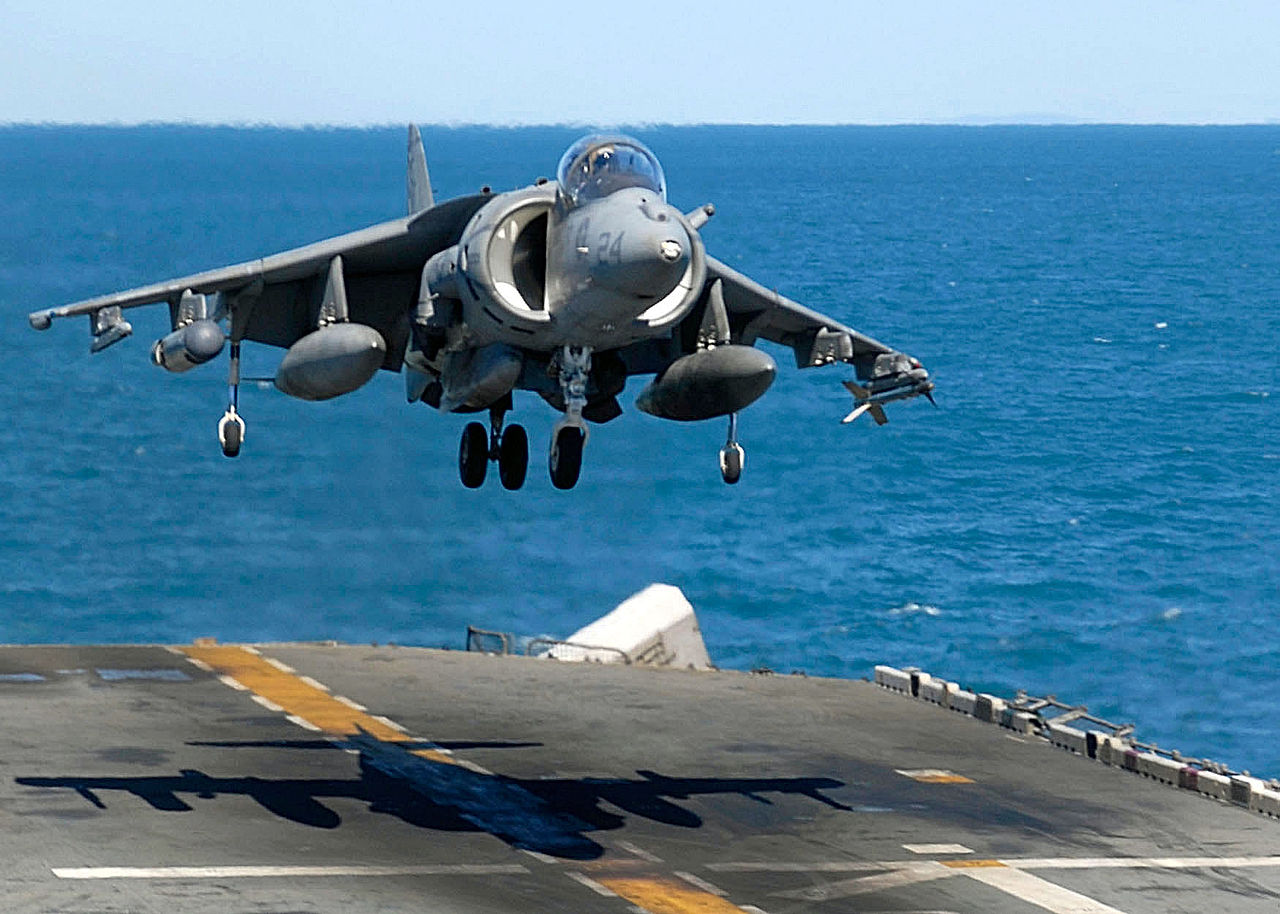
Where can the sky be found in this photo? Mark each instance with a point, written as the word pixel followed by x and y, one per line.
pixel 627 62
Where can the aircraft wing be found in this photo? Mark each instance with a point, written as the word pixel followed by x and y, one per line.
pixel 756 312
pixel 275 299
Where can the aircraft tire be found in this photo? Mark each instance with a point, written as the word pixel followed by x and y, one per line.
pixel 231 440
pixel 513 457
pixel 566 457
pixel 473 455
pixel 231 447
pixel 731 464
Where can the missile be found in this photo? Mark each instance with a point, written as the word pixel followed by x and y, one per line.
pixel 898 377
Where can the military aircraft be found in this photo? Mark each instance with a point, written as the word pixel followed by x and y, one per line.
pixel 563 288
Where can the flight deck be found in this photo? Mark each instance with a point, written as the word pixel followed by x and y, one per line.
pixel 324 778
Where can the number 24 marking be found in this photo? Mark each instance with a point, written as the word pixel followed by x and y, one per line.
pixel 608 251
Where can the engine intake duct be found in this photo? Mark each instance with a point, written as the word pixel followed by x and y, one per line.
pixel 709 383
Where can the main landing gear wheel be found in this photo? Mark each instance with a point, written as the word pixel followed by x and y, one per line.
pixel 513 457
pixel 731 460
pixel 231 426
pixel 473 455
pixel 566 456
pixel 231 433
pixel 732 457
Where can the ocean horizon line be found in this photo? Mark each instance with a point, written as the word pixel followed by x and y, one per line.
pixel 640 124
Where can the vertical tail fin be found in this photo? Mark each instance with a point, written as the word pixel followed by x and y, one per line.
pixel 418 182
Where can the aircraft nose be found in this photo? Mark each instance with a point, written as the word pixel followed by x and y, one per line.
pixel 647 256
pixel 660 259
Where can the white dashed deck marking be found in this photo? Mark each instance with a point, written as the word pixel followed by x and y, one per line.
pixel 933 776
pixel 937 849
pixel 584 879
pixel 539 856
pixel 389 722
pixel 639 852
pixel 698 883
pixel 261 872
pixel 302 722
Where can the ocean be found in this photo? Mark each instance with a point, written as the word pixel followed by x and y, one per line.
pixel 1091 512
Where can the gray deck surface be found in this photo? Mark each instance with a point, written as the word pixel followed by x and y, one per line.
pixel 601 788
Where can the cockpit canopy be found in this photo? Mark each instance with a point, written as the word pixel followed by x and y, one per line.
pixel 596 166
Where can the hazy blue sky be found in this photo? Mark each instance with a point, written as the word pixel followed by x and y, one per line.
pixel 790 61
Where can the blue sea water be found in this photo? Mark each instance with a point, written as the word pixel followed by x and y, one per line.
pixel 1091 512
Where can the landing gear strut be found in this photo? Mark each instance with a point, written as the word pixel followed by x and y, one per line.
pixel 732 457
pixel 570 433
pixel 231 426
pixel 508 447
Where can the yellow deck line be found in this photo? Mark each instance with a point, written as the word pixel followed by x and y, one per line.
pixel 666 896
pixel 300 698
pixel 307 700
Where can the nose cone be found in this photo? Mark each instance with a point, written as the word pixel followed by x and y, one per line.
pixel 648 252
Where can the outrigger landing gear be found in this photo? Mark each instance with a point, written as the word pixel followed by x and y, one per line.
pixel 570 433
pixel 231 426
pixel 732 457
pixel 508 447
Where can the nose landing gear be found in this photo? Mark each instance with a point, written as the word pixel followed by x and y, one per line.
pixel 570 433
pixel 732 456
pixel 509 448
pixel 566 456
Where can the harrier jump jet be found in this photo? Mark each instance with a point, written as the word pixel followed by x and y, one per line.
pixel 563 288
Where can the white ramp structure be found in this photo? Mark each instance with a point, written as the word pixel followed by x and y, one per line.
pixel 656 626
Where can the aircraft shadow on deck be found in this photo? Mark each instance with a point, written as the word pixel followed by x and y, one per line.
pixel 551 816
